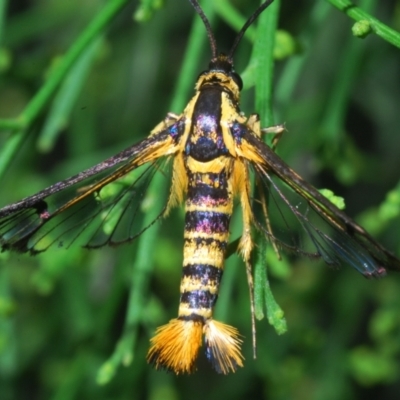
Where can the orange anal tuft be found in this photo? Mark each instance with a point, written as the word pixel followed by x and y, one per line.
pixel 176 345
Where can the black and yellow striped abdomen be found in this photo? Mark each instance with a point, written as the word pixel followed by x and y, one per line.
pixel 208 206
pixel 208 209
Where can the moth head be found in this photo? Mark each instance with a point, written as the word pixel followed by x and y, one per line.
pixel 220 70
pixel 221 73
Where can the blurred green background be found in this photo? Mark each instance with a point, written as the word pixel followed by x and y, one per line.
pixel 76 324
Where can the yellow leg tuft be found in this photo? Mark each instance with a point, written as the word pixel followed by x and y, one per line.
pixel 176 345
pixel 223 346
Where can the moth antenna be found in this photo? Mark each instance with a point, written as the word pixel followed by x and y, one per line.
pixel 210 34
pixel 241 33
pixel 176 345
pixel 223 346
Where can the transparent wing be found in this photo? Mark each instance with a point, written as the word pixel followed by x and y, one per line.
pixel 293 202
pixel 102 205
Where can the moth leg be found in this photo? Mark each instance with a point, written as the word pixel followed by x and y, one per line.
pixel 173 116
pixel 246 242
pixel 254 124
pixel 277 131
pixel 169 120
pixel 264 207
pixel 241 186
pixel 250 282
pixel 245 246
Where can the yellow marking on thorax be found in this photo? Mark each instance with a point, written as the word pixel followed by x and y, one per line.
pixel 228 117
pixel 157 150
pixel 248 152
pixel 224 81
pixel 188 114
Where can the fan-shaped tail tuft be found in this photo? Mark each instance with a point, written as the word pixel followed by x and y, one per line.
pixel 176 345
pixel 223 346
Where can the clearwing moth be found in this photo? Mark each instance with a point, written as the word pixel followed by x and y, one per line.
pixel 212 148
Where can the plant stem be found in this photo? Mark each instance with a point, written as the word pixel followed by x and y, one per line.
pixel 264 56
pixel 356 13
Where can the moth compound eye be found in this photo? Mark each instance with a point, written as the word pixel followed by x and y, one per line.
pixel 237 79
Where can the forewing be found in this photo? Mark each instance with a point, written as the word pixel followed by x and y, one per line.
pixel 334 235
pixel 102 205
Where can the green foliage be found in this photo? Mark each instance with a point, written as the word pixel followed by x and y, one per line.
pixel 336 200
pixel 80 81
